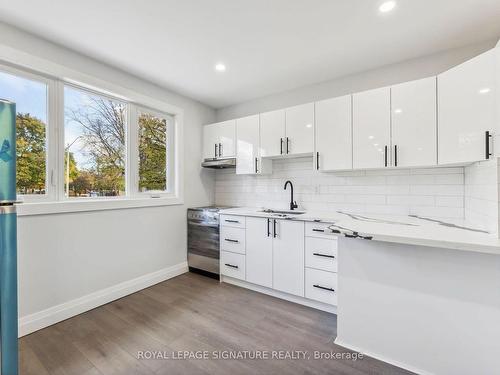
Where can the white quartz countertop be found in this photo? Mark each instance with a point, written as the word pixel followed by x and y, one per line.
pixel 412 230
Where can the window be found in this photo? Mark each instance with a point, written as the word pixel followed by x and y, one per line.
pixel 153 152
pixel 94 139
pixel 31 98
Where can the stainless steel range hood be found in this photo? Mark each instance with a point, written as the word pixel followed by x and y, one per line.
pixel 219 163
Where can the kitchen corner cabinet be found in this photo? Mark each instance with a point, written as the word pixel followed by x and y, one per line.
pixel 248 160
pixel 219 140
pixel 275 254
pixel 413 125
pixel 371 128
pixel 287 132
pixel 333 134
pixel 467 109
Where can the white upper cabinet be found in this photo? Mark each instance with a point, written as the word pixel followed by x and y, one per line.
pixel 248 159
pixel 299 122
pixel 414 129
pixel 467 109
pixel 333 134
pixel 210 142
pixel 227 136
pixel 219 140
pixel 272 133
pixel 371 128
pixel 247 144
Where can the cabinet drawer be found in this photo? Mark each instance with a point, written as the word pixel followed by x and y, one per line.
pixel 232 265
pixel 321 253
pixel 232 239
pixel 321 286
pixel 319 230
pixel 232 221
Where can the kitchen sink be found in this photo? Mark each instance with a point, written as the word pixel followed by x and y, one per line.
pixel 282 212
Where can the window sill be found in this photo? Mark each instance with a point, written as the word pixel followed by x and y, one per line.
pixel 84 205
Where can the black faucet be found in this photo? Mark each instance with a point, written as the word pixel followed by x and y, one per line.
pixel 293 205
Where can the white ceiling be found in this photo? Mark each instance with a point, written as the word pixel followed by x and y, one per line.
pixel 268 46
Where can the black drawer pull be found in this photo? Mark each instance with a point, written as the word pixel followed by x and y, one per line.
pixel 319 230
pixel 324 288
pixel 232 221
pixel 231 265
pixel 230 240
pixel 324 255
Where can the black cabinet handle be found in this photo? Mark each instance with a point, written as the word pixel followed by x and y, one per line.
pixel 231 265
pixel 268 228
pixel 220 149
pixel 317 160
pixel 216 150
pixel 274 228
pixel 395 155
pixel 287 144
pixel 487 144
pixel 281 146
pixel 323 255
pixel 385 155
pixel 232 221
pixel 256 167
pixel 324 288
pixel 230 240
pixel 319 230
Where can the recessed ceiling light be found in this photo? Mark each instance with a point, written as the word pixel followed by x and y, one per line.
pixel 220 67
pixel 484 90
pixel 398 110
pixel 387 6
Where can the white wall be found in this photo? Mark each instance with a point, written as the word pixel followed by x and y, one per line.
pixel 388 75
pixel 63 257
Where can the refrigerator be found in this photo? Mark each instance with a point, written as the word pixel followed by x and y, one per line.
pixel 8 241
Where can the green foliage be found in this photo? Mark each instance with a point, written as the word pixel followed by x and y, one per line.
pixel 152 153
pixel 30 150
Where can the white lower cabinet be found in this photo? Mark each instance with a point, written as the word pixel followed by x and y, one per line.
pixel 259 251
pixel 288 257
pixel 321 254
pixel 321 286
pixel 232 265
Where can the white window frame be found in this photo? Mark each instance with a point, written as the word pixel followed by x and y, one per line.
pixel 171 157
pixel 57 76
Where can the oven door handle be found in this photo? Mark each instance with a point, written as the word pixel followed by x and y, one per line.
pixel 197 224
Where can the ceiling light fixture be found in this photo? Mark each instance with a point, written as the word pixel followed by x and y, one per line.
pixel 485 90
pixel 220 67
pixel 387 6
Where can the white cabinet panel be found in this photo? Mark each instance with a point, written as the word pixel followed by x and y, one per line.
pixel 371 128
pixel 288 257
pixel 467 109
pixel 321 286
pixel 299 122
pixel 247 144
pixel 259 252
pixel 227 135
pixel 414 123
pixel 272 133
pixel 210 140
pixel 232 221
pixel 232 265
pixel 232 239
pixel 321 254
pixel 333 134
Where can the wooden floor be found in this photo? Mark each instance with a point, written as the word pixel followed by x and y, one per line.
pixel 193 313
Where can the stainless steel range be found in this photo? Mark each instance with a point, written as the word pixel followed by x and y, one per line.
pixel 203 240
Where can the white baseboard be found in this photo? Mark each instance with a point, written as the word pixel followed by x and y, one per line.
pixel 34 322
pixel 275 293
pixel 381 358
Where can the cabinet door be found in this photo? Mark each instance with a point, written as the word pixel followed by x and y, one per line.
pixel 466 109
pixel 247 144
pixel 226 132
pixel 288 257
pixel 299 122
pixel 272 133
pixel 210 140
pixel 371 128
pixel 333 134
pixel 414 123
pixel 259 251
